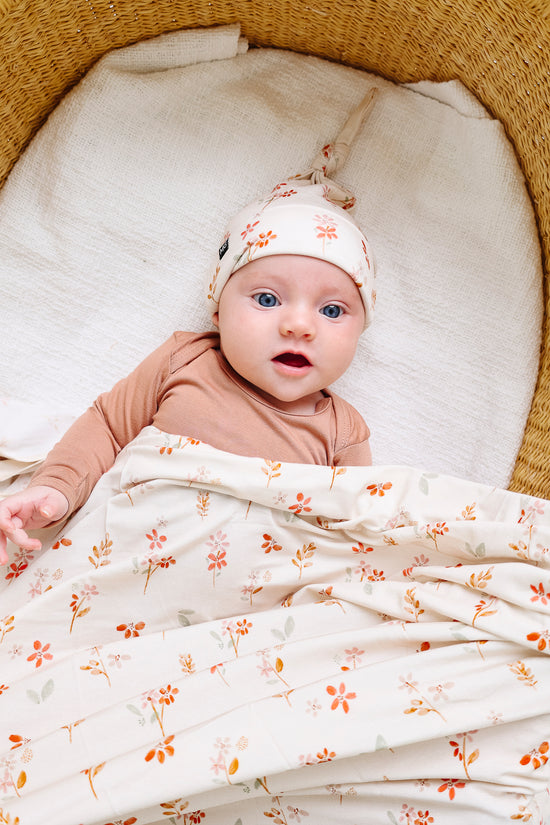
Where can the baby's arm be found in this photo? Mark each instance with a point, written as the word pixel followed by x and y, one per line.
pixel 31 509
pixel 90 446
pixel 85 452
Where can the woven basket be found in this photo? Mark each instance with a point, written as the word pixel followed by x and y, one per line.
pixel 499 49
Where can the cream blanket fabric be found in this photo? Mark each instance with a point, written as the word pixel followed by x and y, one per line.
pixel 227 641
pixel 111 220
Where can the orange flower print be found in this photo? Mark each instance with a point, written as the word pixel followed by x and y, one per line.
pixel 168 694
pixel 270 544
pixel 340 697
pixel 61 543
pixel 248 229
pixel 540 593
pixel 156 540
pixel 360 548
pixel 423 818
pixel 301 504
pixel 243 627
pixel 537 757
pixel 153 563
pixel 216 559
pixel 40 654
pixel 450 785
pixel 542 639
pixel 131 821
pixel 79 600
pixel 195 817
pixel 326 228
pixel 325 755
pixel 379 489
pixel 264 238
pixel 17 567
pixel 365 253
pixel 163 749
pixel 131 630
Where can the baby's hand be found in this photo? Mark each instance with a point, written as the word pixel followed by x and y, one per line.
pixel 33 508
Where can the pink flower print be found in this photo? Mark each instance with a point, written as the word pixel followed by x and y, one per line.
pixel 117 659
pixel 218 542
pixel 155 539
pixel 340 697
pixel 40 654
pixel 223 744
pixel 313 707
pixel 150 697
pixel 353 656
pixel 439 690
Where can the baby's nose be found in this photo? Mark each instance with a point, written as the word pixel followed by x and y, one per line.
pixel 298 323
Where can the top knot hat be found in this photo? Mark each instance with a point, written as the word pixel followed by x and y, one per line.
pixel 306 215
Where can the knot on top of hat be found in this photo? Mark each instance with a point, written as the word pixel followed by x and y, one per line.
pixel 334 155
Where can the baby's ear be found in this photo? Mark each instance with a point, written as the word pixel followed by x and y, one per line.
pixel 215 320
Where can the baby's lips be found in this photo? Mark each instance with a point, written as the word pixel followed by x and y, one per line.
pixel 293 359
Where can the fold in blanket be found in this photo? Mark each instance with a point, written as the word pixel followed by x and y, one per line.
pixel 218 639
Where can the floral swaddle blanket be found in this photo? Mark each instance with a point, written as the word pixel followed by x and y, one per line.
pixel 217 639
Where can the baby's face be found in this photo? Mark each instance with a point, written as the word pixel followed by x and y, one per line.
pixel 289 325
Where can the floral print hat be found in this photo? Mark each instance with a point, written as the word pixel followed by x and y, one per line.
pixel 306 215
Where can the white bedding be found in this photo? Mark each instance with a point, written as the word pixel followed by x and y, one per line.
pixel 110 221
pixel 227 641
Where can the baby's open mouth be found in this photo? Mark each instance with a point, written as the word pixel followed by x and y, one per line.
pixel 293 359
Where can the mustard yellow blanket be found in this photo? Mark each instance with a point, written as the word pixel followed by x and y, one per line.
pixel 230 641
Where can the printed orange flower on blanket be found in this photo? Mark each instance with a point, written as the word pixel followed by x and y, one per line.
pixel 264 238
pixel 161 750
pixel 216 559
pixel 379 489
pixel 451 785
pixel 79 600
pixel 537 757
pixel 301 505
pixel 41 653
pixel 341 697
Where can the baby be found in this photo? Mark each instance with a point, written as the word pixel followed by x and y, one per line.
pixel 291 294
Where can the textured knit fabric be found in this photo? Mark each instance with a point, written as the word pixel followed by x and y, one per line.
pixel 186 386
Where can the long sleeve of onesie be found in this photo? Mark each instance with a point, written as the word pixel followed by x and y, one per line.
pixel 91 445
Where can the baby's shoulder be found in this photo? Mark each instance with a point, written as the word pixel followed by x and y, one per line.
pixel 188 346
pixel 350 424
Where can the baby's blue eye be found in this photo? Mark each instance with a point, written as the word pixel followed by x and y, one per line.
pixel 332 311
pixel 266 299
